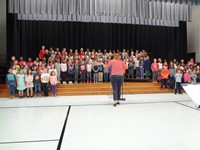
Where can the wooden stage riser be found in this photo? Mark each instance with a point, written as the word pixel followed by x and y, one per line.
pixel 99 89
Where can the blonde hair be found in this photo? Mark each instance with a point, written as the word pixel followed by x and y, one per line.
pixel 117 56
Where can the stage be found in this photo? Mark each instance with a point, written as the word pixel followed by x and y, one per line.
pixel 142 122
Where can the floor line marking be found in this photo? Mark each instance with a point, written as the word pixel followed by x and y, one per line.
pixel 63 130
pixel 131 103
pixel 53 140
pixel 186 106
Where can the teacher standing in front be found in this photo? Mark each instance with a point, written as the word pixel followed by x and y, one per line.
pixel 117 76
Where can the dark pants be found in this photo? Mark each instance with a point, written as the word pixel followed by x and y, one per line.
pixel 171 83
pixel 137 71
pixel 45 88
pixel 53 89
pixel 164 83
pixel 64 76
pixel 12 90
pixel 178 87
pixel 117 81
pixel 70 76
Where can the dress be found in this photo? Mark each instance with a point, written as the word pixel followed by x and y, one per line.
pixel 21 83
pixel 29 81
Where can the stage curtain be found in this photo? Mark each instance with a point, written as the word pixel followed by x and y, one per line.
pixel 26 37
pixel 144 12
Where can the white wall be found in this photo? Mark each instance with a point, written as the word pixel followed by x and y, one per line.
pixel 3 51
pixel 193 33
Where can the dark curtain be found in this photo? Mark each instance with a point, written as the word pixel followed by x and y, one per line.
pixel 26 37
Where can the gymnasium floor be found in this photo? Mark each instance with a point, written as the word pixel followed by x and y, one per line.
pixel 142 122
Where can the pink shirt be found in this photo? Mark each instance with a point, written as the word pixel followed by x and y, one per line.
pixel 154 66
pixel 53 80
pixel 118 67
pixel 187 78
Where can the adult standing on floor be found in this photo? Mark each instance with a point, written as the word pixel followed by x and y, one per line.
pixel 117 76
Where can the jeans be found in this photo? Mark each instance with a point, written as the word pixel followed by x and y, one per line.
pixel 147 73
pixel 106 77
pixel 53 89
pixel 82 77
pixel 70 76
pixel 117 81
pixel 142 73
pixel 178 87
pixel 12 90
pixel 37 88
pixel 89 78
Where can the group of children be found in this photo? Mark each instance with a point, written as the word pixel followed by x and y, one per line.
pixel 68 66
pixel 171 76
pixel 31 80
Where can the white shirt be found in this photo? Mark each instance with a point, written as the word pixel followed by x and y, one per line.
pixel 45 78
pixel 89 67
pixel 63 67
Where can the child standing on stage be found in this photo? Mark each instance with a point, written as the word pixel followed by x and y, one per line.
pixel 82 71
pixel 95 72
pixel 164 74
pixel 53 81
pixel 141 65
pixel 89 72
pixel 29 83
pixel 100 72
pixel 11 83
pixel 21 83
pixel 45 81
pixel 70 71
pixel 178 78
pixel 63 71
pixel 106 73
pixel 58 69
pixel 171 77
pixel 154 68
pixel 37 82
pixel 76 71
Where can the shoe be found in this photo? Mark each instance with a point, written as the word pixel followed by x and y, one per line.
pixel 118 103
pixel 115 104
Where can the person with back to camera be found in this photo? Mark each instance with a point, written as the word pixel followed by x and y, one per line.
pixel 117 77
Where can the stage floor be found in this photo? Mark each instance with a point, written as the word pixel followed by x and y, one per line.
pixel 142 122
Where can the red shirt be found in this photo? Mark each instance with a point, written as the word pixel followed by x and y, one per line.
pixel 30 63
pixel 165 73
pixel 42 53
pixel 20 63
pixel 154 66
pixel 81 53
